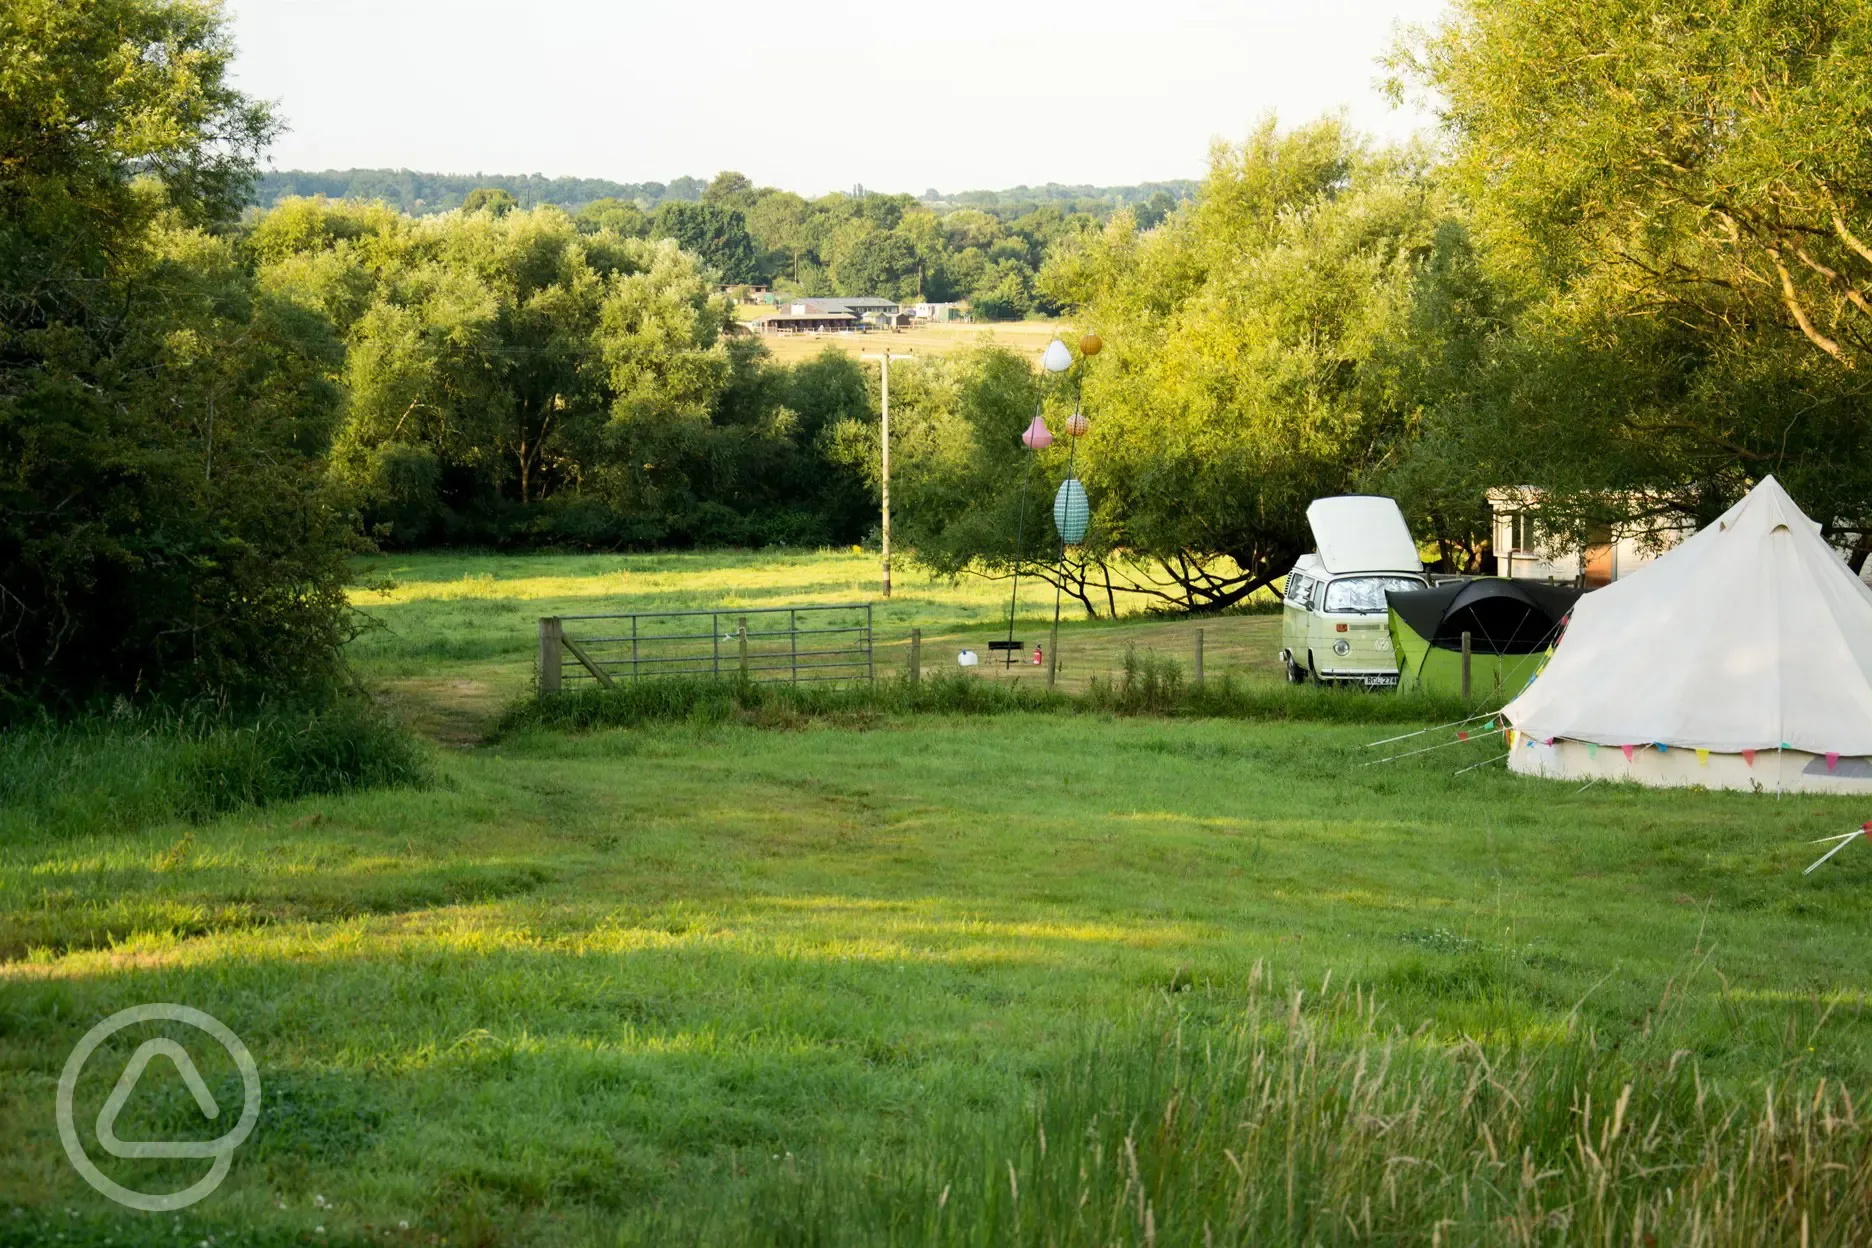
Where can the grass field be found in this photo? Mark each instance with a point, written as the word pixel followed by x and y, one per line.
pixel 453 638
pixel 1027 337
pixel 1023 978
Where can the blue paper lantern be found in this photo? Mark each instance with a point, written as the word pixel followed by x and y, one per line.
pixel 1072 511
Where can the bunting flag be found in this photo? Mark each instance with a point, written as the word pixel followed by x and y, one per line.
pixel 1592 749
pixel 1748 756
pixel 1628 752
pixel 1461 735
pixel 1832 759
pixel 1660 747
pixel 1489 727
pixel 1511 738
pixel 1702 758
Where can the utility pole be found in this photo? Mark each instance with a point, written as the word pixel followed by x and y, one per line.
pixel 884 362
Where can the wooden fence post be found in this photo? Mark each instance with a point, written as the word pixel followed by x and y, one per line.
pixel 742 638
pixel 549 634
pixel 916 656
pixel 1465 666
pixel 1199 644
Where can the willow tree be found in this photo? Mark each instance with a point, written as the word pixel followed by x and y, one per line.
pixel 1236 381
pixel 1680 195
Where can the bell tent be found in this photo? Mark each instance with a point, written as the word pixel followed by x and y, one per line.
pixel 1742 659
pixel 1510 624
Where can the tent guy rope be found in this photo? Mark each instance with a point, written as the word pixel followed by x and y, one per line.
pixel 1844 839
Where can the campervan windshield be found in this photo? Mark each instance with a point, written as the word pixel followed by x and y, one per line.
pixel 1366 593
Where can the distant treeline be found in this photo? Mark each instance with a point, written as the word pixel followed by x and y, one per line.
pixel 1097 200
pixel 420 194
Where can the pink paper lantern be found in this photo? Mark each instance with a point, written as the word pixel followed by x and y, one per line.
pixel 1038 437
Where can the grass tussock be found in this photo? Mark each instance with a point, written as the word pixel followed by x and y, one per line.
pixel 132 770
pixel 1148 684
pixel 1312 1119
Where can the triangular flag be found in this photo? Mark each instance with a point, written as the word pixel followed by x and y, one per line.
pixel 1748 756
pixel 1661 747
pixel 1866 828
pixel 1592 749
pixel 1628 750
pixel 1461 735
pixel 1511 738
pixel 1489 727
pixel 1832 759
pixel 1548 741
pixel 1702 758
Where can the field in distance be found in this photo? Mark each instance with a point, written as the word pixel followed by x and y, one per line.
pixel 1028 337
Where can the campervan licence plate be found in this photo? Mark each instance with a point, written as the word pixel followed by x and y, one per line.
pixel 1384 680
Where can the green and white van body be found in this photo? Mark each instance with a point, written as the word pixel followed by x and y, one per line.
pixel 1334 618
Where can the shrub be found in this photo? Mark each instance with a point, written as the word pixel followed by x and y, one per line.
pixel 131 770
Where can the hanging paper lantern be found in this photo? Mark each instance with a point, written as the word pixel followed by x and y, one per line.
pixel 1077 424
pixel 1090 344
pixel 1057 358
pixel 1071 511
pixel 1038 437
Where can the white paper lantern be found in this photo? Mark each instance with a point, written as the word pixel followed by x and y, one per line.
pixel 1058 357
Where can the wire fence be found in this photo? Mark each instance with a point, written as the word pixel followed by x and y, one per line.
pixel 792 645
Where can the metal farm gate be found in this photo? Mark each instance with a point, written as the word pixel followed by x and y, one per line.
pixel 781 644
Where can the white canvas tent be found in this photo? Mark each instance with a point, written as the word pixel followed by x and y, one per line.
pixel 1742 659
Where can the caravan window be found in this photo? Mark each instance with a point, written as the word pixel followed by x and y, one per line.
pixel 1299 589
pixel 1366 593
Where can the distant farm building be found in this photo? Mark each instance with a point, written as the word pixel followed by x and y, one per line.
pixel 791 322
pixel 857 305
pixel 834 315
pixel 938 313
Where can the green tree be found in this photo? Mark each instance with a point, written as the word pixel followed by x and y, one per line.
pixel 620 217
pixel 164 523
pixel 1237 380
pixel 731 189
pixel 874 262
pixel 1679 195
pixel 490 199
pixel 718 236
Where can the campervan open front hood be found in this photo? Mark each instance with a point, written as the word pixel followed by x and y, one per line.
pixel 1362 533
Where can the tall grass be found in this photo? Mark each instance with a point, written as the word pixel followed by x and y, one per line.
pixel 1148 684
pixel 1308 1118
pixel 132 770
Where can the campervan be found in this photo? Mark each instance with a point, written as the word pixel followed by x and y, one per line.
pixel 1333 614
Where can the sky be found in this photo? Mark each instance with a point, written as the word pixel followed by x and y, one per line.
pixel 810 96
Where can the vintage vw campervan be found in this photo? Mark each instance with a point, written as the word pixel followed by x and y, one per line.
pixel 1333 616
